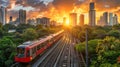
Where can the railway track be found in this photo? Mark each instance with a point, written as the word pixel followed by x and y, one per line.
pixel 62 54
pixel 53 57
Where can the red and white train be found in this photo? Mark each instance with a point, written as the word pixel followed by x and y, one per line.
pixel 31 49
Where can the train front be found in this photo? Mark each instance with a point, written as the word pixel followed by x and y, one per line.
pixel 23 54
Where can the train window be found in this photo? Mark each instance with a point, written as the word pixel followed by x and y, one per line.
pixel 28 53
pixel 20 52
pixel 34 50
pixel 38 47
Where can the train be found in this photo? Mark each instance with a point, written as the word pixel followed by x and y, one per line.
pixel 29 50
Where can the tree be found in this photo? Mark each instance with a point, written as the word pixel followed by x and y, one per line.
pixel 114 33
pixel 30 34
pixel 7 27
pixel 7 48
pixel 21 27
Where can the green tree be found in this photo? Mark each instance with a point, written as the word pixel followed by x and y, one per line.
pixel 7 48
pixel 30 34
pixel 114 33
pixel 8 26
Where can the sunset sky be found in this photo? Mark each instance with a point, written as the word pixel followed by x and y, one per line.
pixel 57 9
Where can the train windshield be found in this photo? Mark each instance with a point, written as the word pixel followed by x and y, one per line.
pixel 20 52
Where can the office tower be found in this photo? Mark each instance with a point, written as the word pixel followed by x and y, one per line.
pixel 105 18
pixel 73 19
pixel 100 21
pixel 45 21
pixel 10 20
pixel 22 16
pixel 81 20
pixel 38 20
pixel 111 19
pixel 3 15
pixel 115 19
pixel 92 14
pixel 31 22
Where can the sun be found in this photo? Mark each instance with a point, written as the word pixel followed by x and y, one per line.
pixel 66 22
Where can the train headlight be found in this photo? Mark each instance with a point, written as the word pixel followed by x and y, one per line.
pixel 31 58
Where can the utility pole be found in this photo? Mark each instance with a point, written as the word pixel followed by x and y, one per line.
pixel 87 65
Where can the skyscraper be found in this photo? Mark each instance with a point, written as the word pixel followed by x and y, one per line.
pixel 81 20
pixel 111 19
pixel 105 18
pixel 22 16
pixel 10 20
pixel 3 15
pixel 115 19
pixel 92 14
pixel 73 19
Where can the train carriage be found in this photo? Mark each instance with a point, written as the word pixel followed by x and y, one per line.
pixel 28 51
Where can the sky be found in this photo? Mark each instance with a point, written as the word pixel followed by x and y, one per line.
pixel 57 9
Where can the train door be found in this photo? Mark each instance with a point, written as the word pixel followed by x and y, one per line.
pixel 34 49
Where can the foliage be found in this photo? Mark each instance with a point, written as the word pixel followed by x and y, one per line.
pixel 7 50
pixel 30 34
pixel 91 46
pixel 21 27
pixel 114 33
pixel 8 27
pixel 103 44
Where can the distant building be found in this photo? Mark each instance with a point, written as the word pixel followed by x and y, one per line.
pixel 81 20
pixel 115 19
pixel 22 16
pixel 38 20
pixel 73 19
pixel 100 21
pixel 92 14
pixel 105 18
pixel 16 22
pixel 10 20
pixel 110 19
pixel 31 22
pixel 43 21
pixel 3 15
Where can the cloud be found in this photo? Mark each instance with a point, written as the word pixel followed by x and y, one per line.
pixel 57 8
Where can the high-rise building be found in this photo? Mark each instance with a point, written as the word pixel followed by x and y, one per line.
pixel 3 15
pixel 115 19
pixel 111 19
pixel 43 21
pixel 38 20
pixel 100 21
pixel 31 22
pixel 81 20
pixel 92 14
pixel 22 16
pixel 10 20
pixel 73 19
pixel 105 18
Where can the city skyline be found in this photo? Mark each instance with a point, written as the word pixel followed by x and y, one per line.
pixel 57 9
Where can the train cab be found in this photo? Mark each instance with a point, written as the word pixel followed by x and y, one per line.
pixel 23 54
